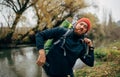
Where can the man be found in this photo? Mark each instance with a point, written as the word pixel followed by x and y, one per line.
pixel 60 60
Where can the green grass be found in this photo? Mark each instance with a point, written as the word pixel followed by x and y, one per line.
pixel 107 62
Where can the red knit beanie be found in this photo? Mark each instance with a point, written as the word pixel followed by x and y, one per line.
pixel 87 21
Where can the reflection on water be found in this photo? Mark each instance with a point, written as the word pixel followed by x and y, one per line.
pixel 19 62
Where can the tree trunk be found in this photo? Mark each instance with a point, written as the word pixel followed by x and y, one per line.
pixel 16 21
pixel 8 37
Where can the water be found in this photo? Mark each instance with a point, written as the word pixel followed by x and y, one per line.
pixel 19 62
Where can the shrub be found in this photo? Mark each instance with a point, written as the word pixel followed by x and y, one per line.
pixel 101 53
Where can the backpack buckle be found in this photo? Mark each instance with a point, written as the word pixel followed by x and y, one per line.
pixel 68 75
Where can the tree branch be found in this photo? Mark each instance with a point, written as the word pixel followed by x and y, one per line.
pixel 14 10
pixel 9 4
pixel 22 3
pixel 19 3
pixel 5 5
pixel 24 6
pixel 7 1
pixel 32 4
pixel 15 7
pixel 6 20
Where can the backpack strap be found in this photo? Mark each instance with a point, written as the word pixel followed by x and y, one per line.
pixel 66 34
pixel 63 38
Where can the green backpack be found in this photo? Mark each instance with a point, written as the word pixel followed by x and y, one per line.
pixel 49 42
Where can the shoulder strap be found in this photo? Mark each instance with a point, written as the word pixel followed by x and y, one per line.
pixel 67 33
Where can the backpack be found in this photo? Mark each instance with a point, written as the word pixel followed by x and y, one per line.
pixel 49 42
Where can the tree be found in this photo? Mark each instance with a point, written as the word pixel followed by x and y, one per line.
pixel 18 6
pixel 52 13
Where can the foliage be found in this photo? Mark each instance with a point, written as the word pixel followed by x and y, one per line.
pixel 52 12
pixel 105 69
pixel 107 63
pixel 26 40
pixel 101 53
pixel 18 7
pixel 108 53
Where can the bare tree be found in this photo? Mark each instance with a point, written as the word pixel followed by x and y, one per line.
pixel 18 6
pixel 7 18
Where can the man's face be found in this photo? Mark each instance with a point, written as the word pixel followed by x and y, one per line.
pixel 81 28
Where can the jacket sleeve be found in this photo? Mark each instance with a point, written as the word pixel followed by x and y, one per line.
pixel 41 37
pixel 89 58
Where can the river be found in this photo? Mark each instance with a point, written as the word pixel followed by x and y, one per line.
pixel 19 62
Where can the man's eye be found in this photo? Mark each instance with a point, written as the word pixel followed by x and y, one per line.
pixel 85 26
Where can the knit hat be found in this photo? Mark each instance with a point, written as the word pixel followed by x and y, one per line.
pixel 87 21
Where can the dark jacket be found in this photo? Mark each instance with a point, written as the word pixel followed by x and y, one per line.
pixel 56 62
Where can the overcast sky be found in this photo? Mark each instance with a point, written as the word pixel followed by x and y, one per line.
pixel 113 6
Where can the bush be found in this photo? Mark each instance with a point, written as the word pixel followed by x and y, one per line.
pixel 101 53
pixel 107 54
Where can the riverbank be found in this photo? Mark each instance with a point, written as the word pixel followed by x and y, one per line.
pixel 4 46
pixel 101 69
pixel 107 62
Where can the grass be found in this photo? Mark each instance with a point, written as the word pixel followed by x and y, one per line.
pixel 107 62
pixel 102 69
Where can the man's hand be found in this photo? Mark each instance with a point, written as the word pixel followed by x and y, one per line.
pixel 89 42
pixel 41 58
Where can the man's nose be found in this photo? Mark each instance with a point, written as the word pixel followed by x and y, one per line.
pixel 82 26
